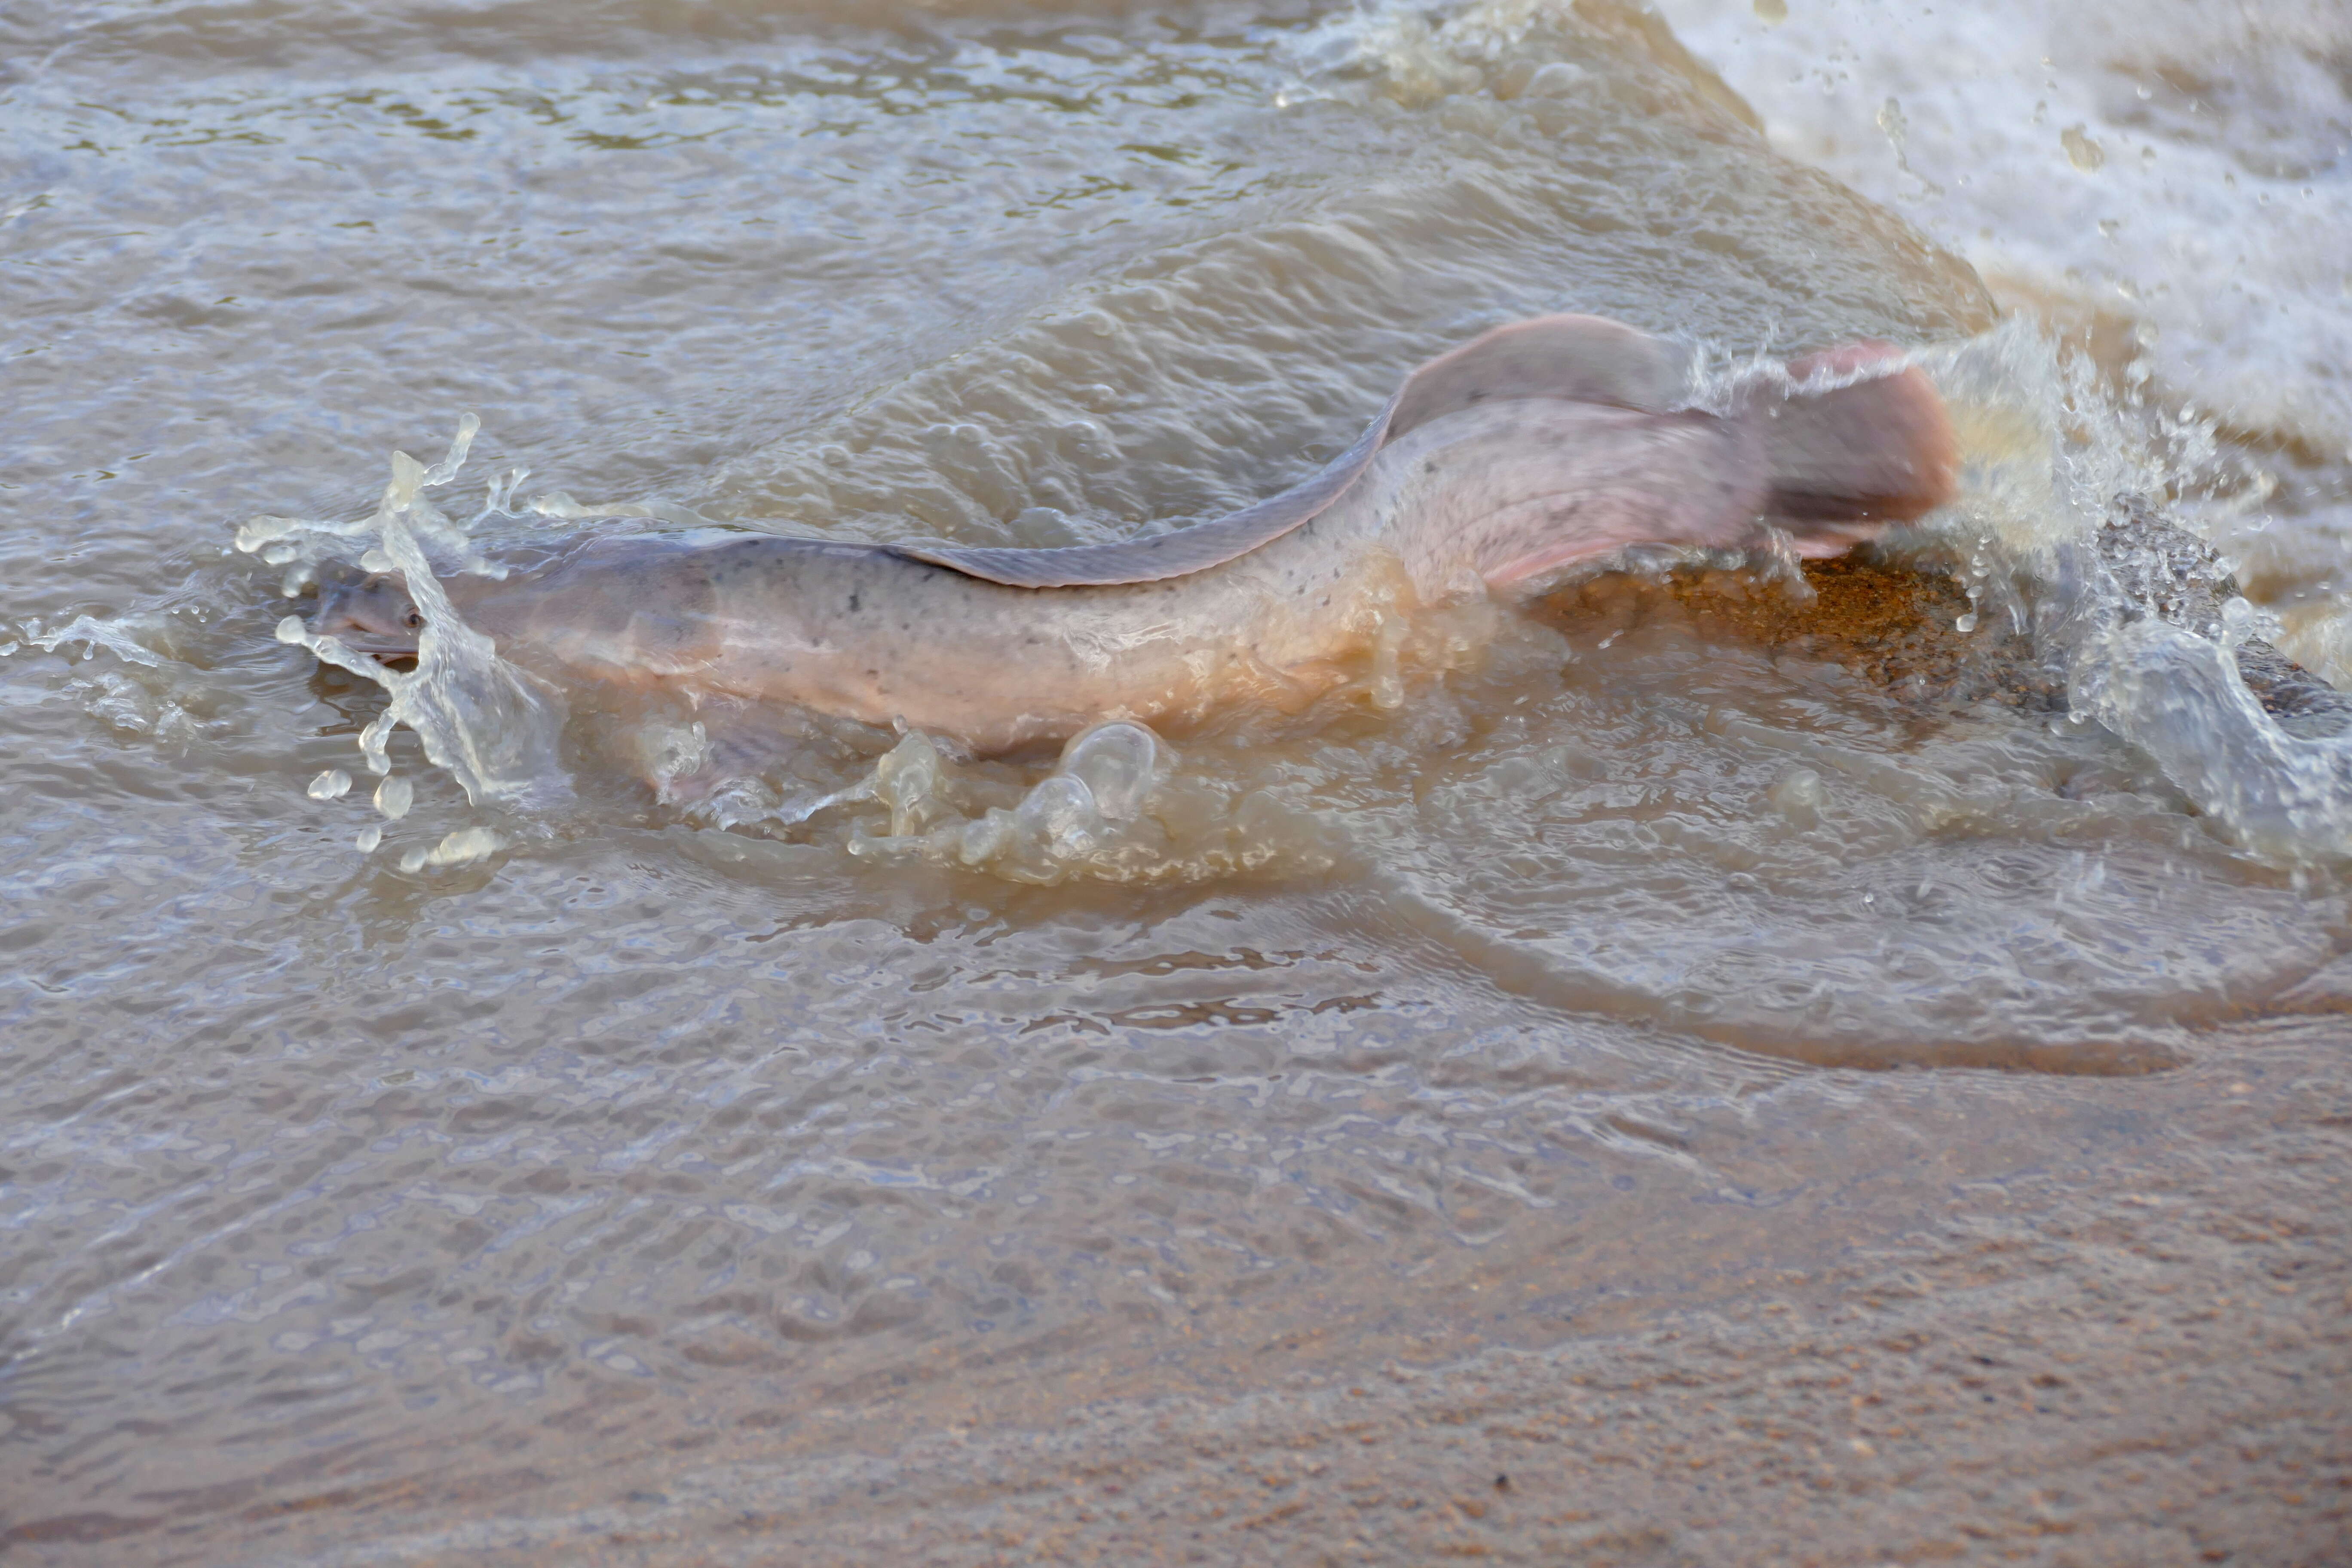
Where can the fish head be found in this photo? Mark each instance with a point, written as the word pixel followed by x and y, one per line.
pixel 374 614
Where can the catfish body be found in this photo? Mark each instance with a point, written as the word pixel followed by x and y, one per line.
pixel 1492 470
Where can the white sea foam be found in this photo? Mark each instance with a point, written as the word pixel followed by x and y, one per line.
pixel 2173 161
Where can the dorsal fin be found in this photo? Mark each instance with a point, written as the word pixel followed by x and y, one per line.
pixel 1581 359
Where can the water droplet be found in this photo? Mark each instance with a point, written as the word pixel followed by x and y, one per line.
pixel 2081 151
pixel 369 836
pixel 394 797
pixel 330 785
pixel 1966 624
pixel 463 845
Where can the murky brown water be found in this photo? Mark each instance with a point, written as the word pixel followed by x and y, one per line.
pixel 346 1191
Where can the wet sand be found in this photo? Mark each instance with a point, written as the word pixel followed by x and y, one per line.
pixel 2132 1348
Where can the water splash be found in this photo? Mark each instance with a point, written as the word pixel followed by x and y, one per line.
pixel 153 697
pixel 92 635
pixel 488 725
pixel 2067 532
pixel 1073 821
pixel 2180 698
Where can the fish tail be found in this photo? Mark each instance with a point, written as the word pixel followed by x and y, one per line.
pixel 1854 441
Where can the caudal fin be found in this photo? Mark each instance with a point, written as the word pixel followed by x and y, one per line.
pixel 1845 463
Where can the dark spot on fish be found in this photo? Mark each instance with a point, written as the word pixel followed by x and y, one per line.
pixel 852 601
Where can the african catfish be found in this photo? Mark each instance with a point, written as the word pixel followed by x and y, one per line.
pixel 1533 450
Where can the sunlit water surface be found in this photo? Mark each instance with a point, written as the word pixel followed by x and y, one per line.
pixel 552 1127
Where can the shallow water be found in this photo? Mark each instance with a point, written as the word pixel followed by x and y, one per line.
pixel 559 1135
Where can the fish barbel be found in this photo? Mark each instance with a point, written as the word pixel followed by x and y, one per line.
pixel 1532 451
